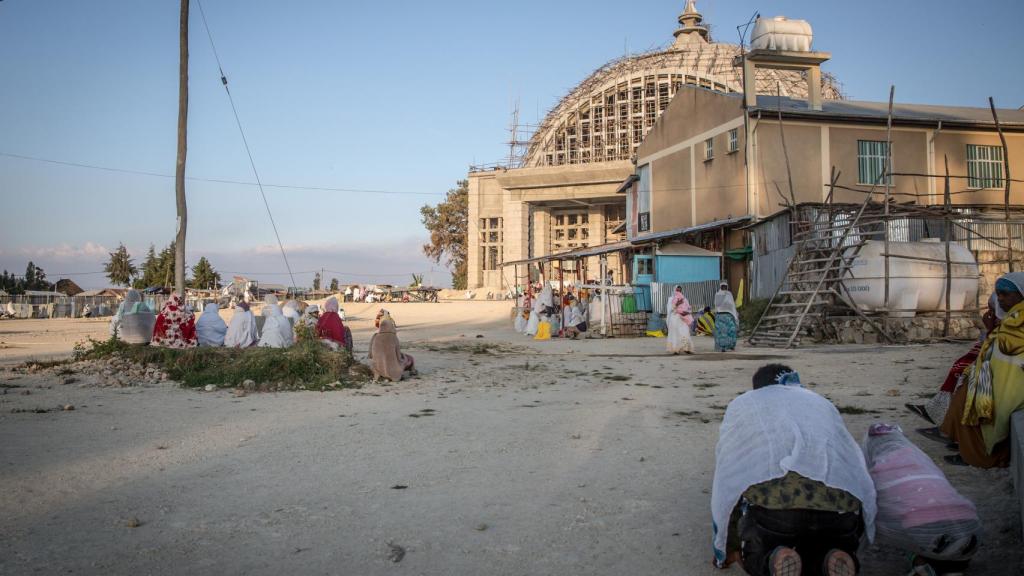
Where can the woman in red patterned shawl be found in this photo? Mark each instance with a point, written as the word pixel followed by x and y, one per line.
pixel 175 326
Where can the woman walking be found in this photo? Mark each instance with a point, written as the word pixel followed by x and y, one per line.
pixel 727 319
pixel 679 322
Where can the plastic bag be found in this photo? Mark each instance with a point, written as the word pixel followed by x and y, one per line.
pixel 918 509
pixel 543 331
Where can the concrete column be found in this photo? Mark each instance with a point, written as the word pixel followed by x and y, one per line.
pixel 814 88
pixel 749 83
pixel 474 276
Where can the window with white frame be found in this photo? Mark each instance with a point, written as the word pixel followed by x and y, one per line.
pixel 491 243
pixel 709 149
pixel 984 166
pixel 872 158
pixel 734 140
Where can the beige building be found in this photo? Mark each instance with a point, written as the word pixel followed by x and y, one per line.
pixel 715 161
pixel 563 193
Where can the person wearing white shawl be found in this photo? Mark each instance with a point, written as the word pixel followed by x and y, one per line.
pixel 132 301
pixel 727 319
pixel 291 311
pixel 277 330
pixel 242 332
pixel 536 307
pixel 791 488
pixel 210 328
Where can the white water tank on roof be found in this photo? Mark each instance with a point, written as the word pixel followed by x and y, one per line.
pixel 914 285
pixel 781 33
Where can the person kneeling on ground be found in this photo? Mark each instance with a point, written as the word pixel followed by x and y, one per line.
pixel 388 360
pixel 791 493
pixel 575 325
pixel 330 328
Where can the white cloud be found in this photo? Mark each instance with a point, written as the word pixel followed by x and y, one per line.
pixel 65 251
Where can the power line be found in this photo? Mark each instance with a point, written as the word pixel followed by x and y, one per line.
pixel 217 180
pixel 224 81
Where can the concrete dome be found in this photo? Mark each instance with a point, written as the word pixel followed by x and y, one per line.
pixel 607 115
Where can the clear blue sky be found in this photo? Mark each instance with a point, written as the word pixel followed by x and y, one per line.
pixel 398 96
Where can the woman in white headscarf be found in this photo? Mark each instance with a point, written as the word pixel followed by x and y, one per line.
pixel 727 319
pixel 277 330
pixel 679 321
pixel 210 328
pixel 291 311
pixel 242 332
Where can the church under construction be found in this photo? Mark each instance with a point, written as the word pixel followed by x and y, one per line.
pixel 561 193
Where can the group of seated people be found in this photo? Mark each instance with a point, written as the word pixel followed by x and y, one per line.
pixel 984 387
pixel 545 315
pixel 176 327
pixel 793 492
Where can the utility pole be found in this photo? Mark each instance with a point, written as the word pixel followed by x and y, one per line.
pixel 179 173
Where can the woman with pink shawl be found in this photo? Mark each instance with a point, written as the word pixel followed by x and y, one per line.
pixel 679 321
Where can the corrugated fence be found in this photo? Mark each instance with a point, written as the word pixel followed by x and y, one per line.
pixel 700 294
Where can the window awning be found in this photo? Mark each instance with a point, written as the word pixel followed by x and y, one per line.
pixel 627 184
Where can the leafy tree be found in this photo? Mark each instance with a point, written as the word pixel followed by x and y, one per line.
pixel 447 223
pixel 316 282
pixel 35 278
pixel 149 270
pixel 120 269
pixel 165 266
pixel 334 284
pixel 204 276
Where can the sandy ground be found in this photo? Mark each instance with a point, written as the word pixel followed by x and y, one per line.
pixel 562 457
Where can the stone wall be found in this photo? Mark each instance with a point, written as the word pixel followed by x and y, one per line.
pixel 855 330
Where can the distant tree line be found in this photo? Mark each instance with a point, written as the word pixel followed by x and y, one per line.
pixel 33 279
pixel 157 269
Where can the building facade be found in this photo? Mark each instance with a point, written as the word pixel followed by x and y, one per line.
pixel 719 161
pixel 563 193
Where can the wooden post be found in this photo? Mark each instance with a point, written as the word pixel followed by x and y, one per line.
pixel 561 299
pixel 888 186
pixel 948 230
pixel 1006 169
pixel 179 172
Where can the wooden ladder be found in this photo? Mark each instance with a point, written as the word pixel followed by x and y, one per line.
pixel 823 255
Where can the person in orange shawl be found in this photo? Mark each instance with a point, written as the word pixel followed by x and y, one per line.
pixel 330 327
pixel 175 326
pixel 978 419
pixel 388 360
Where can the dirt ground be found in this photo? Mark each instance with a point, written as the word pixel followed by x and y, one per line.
pixel 561 457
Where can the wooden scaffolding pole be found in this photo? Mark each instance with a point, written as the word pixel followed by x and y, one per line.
pixel 1006 169
pixel 947 231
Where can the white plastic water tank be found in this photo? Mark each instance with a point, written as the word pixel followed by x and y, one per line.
pixel 913 284
pixel 781 33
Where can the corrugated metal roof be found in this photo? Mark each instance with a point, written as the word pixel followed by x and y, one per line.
pixel 905 113
pixel 689 230
pixel 577 253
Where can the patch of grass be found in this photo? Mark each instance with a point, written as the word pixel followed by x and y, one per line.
pixel 855 410
pixel 307 364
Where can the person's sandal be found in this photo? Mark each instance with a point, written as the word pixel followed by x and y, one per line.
pixel 785 562
pixel 955 460
pixel 920 411
pixel 933 434
pixel 839 563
